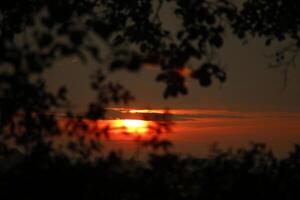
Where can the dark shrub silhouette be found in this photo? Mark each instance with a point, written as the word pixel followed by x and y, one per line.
pixel 251 173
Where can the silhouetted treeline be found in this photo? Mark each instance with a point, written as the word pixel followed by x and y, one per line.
pixel 251 173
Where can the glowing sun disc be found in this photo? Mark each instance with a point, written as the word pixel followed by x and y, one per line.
pixel 133 125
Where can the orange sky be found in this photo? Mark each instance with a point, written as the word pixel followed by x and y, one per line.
pixel 195 130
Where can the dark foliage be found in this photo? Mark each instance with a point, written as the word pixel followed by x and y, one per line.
pixel 252 173
pixel 275 22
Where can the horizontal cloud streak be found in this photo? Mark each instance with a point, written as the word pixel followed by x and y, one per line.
pixel 177 114
pixel 194 114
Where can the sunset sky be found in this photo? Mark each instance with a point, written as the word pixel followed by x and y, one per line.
pixel 195 130
pixel 265 109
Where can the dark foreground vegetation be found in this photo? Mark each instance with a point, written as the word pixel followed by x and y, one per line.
pixel 251 173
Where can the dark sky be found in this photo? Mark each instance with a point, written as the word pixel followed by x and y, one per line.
pixel 252 85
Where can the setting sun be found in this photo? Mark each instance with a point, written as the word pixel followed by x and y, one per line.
pixel 133 126
pixel 130 123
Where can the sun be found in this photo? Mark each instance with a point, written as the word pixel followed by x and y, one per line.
pixel 135 126
pixel 132 126
pixel 132 123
